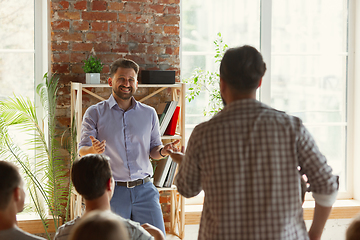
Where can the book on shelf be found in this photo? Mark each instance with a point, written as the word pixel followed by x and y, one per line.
pixel 171 175
pixel 165 172
pixel 171 128
pixel 161 110
pixel 161 171
pixel 166 116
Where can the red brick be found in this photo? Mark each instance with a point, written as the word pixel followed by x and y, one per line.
pixel 139 18
pixel 62 46
pixel 77 57
pixel 123 17
pixel 169 1
pixel 140 48
pixel 153 8
pixel 117 27
pixel 173 30
pixel 132 7
pixel 99 26
pixel 109 58
pixel 81 5
pixel 120 47
pixel 81 47
pixel 167 40
pixel 60 57
pixel 60 68
pixel 66 36
pixel 172 50
pixel 77 68
pixel 155 29
pixel 172 60
pixel 172 9
pixel 140 0
pixel 102 47
pixel 140 38
pixel 171 20
pixel 60 5
pixel 98 37
pixel 151 59
pixel 136 28
pixel 98 6
pixel 115 6
pixel 106 69
pixel 155 49
pixel 80 25
pixel 67 15
pixel 60 25
pixel 137 59
pixel 98 16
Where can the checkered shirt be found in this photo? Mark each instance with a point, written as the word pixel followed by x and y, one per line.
pixel 246 160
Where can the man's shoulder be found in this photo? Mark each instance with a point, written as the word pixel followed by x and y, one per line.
pixel 18 234
pixel 63 231
pixel 135 230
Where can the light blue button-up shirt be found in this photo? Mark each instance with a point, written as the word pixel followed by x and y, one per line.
pixel 130 135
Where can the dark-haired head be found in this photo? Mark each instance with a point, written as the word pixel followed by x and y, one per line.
pixel 10 179
pixel 242 68
pixel 90 175
pixel 123 63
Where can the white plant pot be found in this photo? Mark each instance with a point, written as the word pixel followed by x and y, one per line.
pixel 93 78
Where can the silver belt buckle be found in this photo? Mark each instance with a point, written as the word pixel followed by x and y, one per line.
pixel 127 185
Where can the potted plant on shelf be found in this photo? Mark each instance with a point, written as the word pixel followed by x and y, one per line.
pixel 46 171
pixel 92 67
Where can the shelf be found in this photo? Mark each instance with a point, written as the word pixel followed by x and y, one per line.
pixel 176 85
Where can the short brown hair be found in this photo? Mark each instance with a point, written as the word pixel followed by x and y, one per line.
pixel 124 63
pixel 10 179
pixel 353 231
pixel 100 225
pixel 90 175
pixel 242 68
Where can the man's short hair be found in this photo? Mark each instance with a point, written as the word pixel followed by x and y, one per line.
pixel 90 175
pixel 99 225
pixel 10 179
pixel 242 68
pixel 124 63
pixel 353 231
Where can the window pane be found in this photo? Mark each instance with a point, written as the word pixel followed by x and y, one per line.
pixel 309 71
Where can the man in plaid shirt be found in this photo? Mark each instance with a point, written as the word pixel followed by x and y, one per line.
pixel 247 160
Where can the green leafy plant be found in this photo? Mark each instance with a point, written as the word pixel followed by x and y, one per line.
pixel 202 80
pixel 46 171
pixel 92 65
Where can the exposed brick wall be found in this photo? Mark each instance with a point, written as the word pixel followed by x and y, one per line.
pixel 146 31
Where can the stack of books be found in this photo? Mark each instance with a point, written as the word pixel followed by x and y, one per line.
pixel 168 113
pixel 165 172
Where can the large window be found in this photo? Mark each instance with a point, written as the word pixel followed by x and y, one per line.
pixel 305 47
pixel 23 52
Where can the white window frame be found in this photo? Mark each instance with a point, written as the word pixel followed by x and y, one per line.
pixel 353 87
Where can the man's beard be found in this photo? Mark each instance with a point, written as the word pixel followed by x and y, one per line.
pixel 123 96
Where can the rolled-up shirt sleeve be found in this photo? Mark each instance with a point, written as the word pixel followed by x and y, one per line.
pixel 188 179
pixel 323 183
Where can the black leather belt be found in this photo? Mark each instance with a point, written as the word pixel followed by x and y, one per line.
pixel 133 184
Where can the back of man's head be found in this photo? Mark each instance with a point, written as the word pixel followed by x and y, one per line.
pixel 90 175
pixel 242 68
pixel 353 231
pixel 10 179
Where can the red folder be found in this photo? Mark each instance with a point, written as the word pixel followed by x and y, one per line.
pixel 171 128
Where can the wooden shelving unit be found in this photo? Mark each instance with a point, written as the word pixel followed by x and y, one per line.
pixel 177 214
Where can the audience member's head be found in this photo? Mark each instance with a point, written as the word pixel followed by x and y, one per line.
pixel 99 225
pixel 11 186
pixel 242 68
pixel 353 231
pixel 123 63
pixel 90 175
